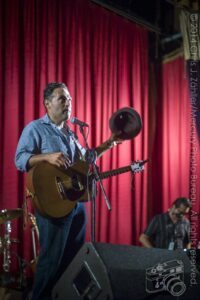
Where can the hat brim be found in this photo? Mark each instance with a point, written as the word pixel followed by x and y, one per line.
pixel 128 121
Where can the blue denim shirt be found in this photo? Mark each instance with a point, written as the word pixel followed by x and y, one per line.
pixel 42 136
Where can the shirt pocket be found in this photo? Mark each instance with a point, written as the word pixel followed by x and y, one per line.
pixel 51 143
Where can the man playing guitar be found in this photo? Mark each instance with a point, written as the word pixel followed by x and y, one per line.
pixel 49 140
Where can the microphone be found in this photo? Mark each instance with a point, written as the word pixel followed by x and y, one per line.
pixel 78 122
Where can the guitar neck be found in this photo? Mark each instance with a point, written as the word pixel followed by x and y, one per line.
pixel 115 172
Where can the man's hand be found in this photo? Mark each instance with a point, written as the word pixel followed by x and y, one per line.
pixel 59 159
pixel 114 139
pixel 110 143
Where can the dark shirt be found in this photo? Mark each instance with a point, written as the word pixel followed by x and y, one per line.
pixel 162 231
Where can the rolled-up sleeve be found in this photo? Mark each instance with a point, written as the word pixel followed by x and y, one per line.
pixel 28 146
pixel 152 227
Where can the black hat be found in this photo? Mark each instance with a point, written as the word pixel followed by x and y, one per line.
pixel 126 120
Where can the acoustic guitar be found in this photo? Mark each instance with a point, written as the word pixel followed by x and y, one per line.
pixel 55 191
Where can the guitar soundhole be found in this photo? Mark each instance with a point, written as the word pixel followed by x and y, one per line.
pixel 77 190
pixel 73 191
pixel 76 183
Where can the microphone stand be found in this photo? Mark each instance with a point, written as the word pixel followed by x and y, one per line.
pixel 91 157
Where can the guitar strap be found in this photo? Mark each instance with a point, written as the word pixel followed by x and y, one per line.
pixel 81 150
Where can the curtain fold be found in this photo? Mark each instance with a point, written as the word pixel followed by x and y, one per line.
pixel 176 131
pixel 170 149
pixel 103 59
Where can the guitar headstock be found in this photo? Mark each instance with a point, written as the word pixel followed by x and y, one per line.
pixel 138 166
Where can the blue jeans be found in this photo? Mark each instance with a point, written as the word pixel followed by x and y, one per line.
pixel 60 240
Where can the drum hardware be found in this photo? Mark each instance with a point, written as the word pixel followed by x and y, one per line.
pixel 30 219
pixel 16 280
pixel 6 250
pixel 5 243
pixel 8 215
pixel 35 236
pixel 7 278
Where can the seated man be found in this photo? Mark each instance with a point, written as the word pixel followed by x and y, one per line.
pixel 169 230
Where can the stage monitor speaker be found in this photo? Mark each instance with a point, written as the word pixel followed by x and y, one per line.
pixel 10 294
pixel 120 272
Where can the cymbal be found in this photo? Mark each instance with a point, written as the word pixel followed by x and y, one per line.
pixel 10 214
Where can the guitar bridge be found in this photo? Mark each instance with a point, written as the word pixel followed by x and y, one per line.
pixel 76 184
pixel 61 188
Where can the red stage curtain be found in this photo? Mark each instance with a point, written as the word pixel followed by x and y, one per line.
pixel 178 161
pixel 170 141
pixel 175 132
pixel 103 59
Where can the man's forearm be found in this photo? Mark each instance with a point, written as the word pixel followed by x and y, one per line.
pixel 189 246
pixel 104 147
pixel 145 240
pixel 35 159
pixel 57 159
pixel 110 143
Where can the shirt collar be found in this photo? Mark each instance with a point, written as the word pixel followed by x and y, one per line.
pixel 46 119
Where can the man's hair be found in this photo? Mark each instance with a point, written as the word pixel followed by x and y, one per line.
pixel 182 200
pixel 48 91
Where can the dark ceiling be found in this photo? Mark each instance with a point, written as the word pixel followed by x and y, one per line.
pixel 161 17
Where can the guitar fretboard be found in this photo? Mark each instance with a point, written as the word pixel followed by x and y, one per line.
pixel 115 172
